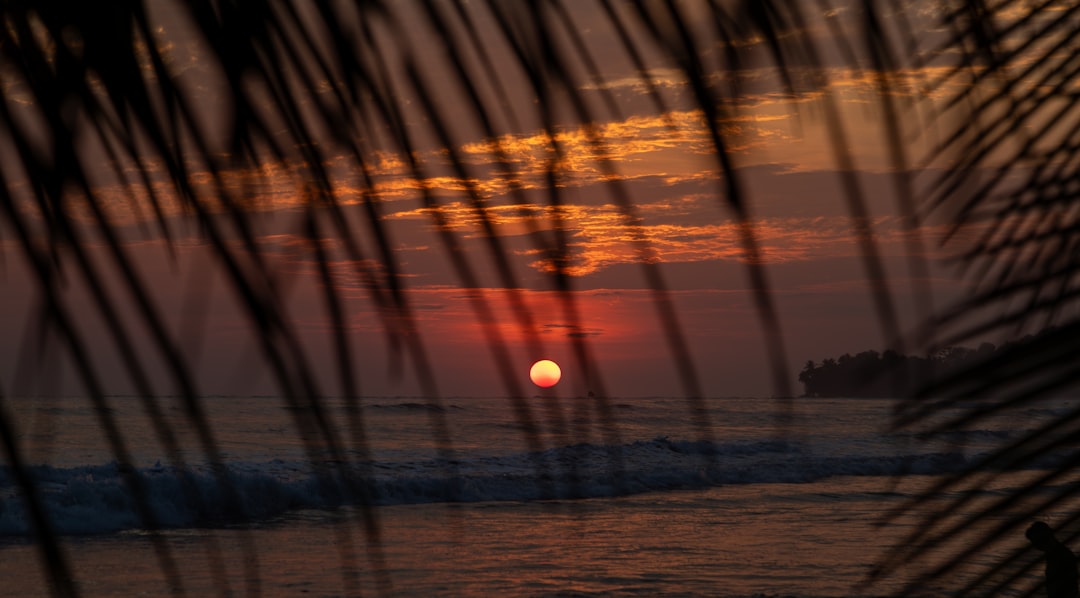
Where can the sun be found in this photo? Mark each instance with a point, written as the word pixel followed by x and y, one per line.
pixel 545 373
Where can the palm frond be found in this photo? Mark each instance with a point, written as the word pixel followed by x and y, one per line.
pixel 92 95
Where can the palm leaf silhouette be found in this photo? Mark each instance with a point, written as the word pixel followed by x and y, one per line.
pixel 1009 142
pixel 92 95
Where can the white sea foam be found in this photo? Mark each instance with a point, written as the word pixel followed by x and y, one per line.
pixel 101 499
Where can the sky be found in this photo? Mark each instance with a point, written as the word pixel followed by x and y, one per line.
pixel 614 145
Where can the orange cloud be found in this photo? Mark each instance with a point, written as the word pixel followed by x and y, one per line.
pixel 601 236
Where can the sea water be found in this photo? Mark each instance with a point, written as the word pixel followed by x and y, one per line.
pixel 541 496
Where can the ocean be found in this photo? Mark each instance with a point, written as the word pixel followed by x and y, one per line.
pixel 544 496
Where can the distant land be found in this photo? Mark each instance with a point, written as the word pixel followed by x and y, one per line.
pixel 871 374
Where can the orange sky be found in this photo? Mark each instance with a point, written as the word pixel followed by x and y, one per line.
pixel 664 164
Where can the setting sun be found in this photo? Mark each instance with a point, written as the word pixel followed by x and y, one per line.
pixel 545 373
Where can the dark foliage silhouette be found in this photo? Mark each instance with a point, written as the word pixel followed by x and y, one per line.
pixel 92 97
pixel 892 375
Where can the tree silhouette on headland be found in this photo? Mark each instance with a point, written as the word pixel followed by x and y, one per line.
pixel 871 374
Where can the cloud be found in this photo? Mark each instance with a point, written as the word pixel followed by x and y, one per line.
pixel 684 229
pixel 572 331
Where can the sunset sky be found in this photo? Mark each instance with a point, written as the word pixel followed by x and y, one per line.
pixel 664 163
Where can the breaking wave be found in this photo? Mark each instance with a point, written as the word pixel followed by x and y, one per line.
pixel 96 499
